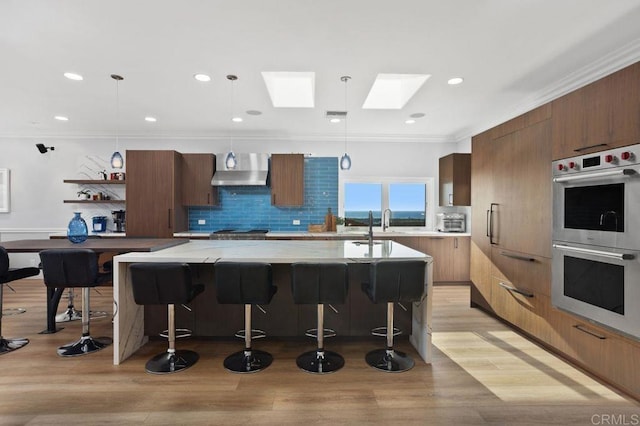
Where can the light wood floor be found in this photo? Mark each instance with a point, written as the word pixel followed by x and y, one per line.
pixel 482 373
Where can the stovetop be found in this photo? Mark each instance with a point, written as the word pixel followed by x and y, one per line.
pixel 239 234
pixel 241 231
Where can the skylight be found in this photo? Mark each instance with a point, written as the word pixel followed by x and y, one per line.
pixel 290 89
pixel 393 91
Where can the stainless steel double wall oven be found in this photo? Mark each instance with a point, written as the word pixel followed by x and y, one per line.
pixel 596 238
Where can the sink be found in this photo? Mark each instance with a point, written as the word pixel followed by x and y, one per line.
pixel 365 243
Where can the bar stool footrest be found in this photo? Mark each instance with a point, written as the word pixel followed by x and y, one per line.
pixel 382 331
pixel 180 333
pixel 313 332
pixel 255 334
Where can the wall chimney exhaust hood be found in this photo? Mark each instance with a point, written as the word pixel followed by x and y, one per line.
pixel 251 170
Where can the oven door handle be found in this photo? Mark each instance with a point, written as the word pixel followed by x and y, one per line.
pixel 595 175
pixel 621 256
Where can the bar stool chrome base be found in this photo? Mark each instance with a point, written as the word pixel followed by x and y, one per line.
pixel 10 345
pixel 320 362
pixel 389 360
pixel 248 361
pixel 71 314
pixel 171 362
pixel 84 346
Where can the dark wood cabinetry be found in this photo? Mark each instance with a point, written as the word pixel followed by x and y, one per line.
pixel 197 171
pixel 450 255
pixel 455 180
pixel 287 179
pixel 604 114
pixel 154 186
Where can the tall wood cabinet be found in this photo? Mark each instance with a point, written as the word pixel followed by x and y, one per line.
pixel 154 188
pixel 454 180
pixel 287 179
pixel 197 171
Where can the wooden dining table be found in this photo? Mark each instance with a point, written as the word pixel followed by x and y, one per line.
pixel 99 245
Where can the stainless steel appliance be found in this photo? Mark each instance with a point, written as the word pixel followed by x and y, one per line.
pixel 450 222
pixel 235 234
pixel 596 238
pixel 251 169
pixel 119 220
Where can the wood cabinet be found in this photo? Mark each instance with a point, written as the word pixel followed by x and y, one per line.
pixel 287 179
pixel 197 171
pixel 602 115
pixel 455 180
pixel 154 202
pixel 450 255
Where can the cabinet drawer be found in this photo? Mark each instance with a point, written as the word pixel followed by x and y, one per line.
pixel 524 271
pixel 524 309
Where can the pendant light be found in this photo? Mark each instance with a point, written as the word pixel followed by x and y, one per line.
pixel 345 161
pixel 117 162
pixel 230 160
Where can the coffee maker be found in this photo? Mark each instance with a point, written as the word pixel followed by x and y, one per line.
pixel 119 220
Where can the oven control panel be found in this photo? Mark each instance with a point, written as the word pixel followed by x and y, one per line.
pixel 617 157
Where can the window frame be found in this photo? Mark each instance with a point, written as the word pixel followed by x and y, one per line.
pixel 429 185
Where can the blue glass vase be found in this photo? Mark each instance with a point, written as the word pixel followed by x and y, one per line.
pixel 77 231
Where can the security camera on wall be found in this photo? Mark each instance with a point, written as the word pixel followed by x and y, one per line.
pixel 43 149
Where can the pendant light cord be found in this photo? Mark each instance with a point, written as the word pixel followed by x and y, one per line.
pixel 346 79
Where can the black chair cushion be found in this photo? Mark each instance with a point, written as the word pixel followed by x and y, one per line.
pixel 71 268
pixel 244 283
pixel 395 281
pixel 162 283
pixel 8 274
pixel 313 283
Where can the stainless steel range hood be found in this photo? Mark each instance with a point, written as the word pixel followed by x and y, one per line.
pixel 251 170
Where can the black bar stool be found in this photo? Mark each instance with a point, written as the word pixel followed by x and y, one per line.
pixel 319 283
pixel 246 283
pixel 165 284
pixel 68 268
pixel 6 276
pixel 393 281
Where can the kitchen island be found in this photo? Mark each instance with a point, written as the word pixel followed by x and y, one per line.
pixel 129 319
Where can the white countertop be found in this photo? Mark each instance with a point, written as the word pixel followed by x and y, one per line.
pixel 347 234
pixel 277 251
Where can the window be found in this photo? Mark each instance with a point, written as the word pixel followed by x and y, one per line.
pixel 408 199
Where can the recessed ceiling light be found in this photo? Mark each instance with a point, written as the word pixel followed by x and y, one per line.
pixel 237 119
pixel 393 91
pixel 61 118
pixel 335 120
pixel 73 76
pixel 202 77
pixel 150 119
pixel 455 80
pixel 410 121
pixel 253 112
pixel 290 89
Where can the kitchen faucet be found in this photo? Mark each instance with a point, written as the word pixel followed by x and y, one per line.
pixel 386 220
pixel 370 228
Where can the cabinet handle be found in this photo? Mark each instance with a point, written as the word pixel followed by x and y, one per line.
pixel 488 219
pixel 455 242
pixel 515 256
pixel 515 290
pixel 273 198
pixel 450 199
pixel 436 238
pixel 208 198
pixel 491 224
pixel 589 332
pixel 584 148
pixel 169 217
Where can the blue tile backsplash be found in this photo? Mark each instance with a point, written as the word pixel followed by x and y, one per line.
pixel 249 207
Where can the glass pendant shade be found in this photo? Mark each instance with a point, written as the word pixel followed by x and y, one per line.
pixel 230 161
pixel 345 162
pixel 117 161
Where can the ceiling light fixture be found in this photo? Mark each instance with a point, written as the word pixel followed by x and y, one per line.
pixel 202 77
pixel 345 161
pixel 117 162
pixel 61 118
pixel 150 119
pixel 455 80
pixel 230 160
pixel 410 121
pixel 73 76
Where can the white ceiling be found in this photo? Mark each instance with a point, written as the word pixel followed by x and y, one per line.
pixel 513 55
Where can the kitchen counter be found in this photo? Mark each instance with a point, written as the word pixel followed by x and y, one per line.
pixel 344 235
pixel 129 319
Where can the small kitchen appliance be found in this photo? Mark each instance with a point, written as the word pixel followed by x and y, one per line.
pixel 99 223
pixel 119 220
pixel 450 222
